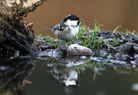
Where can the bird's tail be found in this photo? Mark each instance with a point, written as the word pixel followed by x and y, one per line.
pixel 47 29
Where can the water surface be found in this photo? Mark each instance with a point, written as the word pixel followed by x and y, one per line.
pixel 35 78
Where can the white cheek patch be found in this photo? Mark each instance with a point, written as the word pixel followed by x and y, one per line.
pixel 70 22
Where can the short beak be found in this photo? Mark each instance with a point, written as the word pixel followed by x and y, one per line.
pixel 80 20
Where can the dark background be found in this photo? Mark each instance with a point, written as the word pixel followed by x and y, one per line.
pixel 110 13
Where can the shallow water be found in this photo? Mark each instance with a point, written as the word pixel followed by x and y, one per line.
pixel 37 78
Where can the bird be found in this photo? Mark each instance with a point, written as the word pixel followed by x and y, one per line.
pixel 67 29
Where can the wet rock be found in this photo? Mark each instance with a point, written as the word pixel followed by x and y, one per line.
pixel 127 48
pixel 56 53
pixel 41 44
pixel 99 59
pixel 64 48
pixel 125 56
pixel 103 53
pixel 134 61
pixel 75 49
pixel 119 56
pixel 115 61
pixel 111 56
pixel 135 56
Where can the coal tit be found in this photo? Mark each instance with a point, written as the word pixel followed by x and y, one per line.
pixel 67 28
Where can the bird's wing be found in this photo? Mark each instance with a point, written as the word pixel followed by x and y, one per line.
pixel 59 26
pixel 56 27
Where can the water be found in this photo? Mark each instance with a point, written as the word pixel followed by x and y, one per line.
pixel 39 77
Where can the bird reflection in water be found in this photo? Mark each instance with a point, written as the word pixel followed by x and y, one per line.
pixel 65 72
pixel 67 76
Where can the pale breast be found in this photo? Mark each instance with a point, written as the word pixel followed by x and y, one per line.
pixel 67 34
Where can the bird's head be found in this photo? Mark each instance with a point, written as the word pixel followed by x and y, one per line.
pixel 72 20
